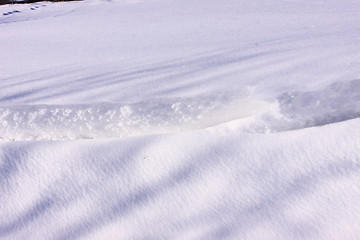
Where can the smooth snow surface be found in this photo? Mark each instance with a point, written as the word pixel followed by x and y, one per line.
pixel 192 119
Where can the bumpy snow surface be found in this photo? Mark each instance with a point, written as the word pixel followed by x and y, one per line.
pixel 169 119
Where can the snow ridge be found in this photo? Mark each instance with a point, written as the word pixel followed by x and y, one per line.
pixel 106 120
pixel 289 111
pixel 337 102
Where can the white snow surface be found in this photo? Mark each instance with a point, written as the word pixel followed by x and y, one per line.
pixel 169 119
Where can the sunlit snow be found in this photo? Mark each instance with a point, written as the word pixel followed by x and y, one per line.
pixel 169 119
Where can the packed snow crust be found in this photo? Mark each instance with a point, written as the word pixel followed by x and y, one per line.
pixel 292 110
pixel 180 120
pixel 104 120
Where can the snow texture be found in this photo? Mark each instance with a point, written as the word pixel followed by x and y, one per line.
pixel 169 119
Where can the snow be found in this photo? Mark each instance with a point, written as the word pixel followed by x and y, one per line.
pixel 104 120
pixel 168 119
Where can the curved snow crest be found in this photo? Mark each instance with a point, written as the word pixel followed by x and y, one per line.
pixel 291 110
pixel 107 120
pixel 295 110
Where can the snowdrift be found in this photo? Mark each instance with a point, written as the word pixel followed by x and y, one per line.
pixel 192 119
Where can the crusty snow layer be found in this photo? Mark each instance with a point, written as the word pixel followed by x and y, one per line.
pixel 191 119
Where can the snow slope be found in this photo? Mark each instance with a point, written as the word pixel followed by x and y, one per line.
pixel 180 120
pixel 206 184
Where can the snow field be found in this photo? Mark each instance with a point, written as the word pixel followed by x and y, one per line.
pixel 191 119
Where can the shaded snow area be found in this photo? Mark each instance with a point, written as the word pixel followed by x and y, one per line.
pixel 169 119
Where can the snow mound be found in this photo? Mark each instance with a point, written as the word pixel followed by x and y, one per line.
pixel 106 120
pixel 337 102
